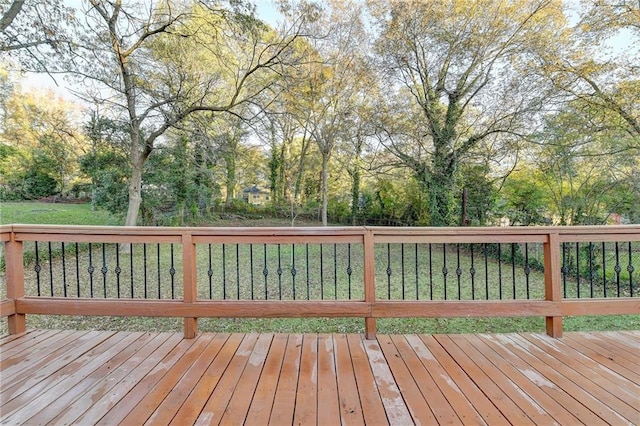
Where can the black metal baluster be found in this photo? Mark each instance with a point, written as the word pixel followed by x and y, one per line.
pixel 90 269
pixel 513 269
pixel 210 274
pixel 321 273
pixel 486 271
pixel 472 271
pixel 402 273
pixel 335 271
pixel 445 270
pixel 458 271
pixel 564 269
pixel 617 268
pixel 591 269
pixel 630 269
pixel 50 268
pixel 144 255
pixel 279 271
pixel 293 270
pixel 172 273
pixel 158 266
pixel 307 266
pixel 265 272
pixel 37 267
pixel 577 269
pixel 349 269
pixel 118 270
pixel 416 271
pixel 224 271
pixel 500 271
pixel 388 271
pixel 104 270
pixel 77 271
pixel 430 273
pixel 238 270
pixel 527 268
pixel 64 272
pixel 131 266
pixel 604 269
pixel 251 271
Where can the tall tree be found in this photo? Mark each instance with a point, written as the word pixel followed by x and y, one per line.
pixel 465 65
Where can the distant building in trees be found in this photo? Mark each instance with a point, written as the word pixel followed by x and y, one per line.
pixel 255 195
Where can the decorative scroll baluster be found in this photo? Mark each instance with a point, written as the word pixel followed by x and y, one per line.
pixel 210 274
pixel 458 271
pixel 50 268
pixel 104 269
pixel 293 271
pixel 172 273
pixel 389 271
pixel 265 272
pixel 279 272
pixel 91 270
pixel 630 270
pixel 617 268
pixel 349 269
pixel 472 271
pixel 37 267
pixel 64 272
pixel 118 270
pixel 445 270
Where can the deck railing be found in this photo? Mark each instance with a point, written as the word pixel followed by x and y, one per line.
pixel 365 272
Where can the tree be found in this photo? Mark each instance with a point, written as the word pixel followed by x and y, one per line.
pixel 149 65
pixel 465 65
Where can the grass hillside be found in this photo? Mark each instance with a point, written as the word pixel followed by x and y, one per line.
pixel 53 214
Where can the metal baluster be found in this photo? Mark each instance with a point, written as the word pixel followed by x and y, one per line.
pixel 172 273
pixel 77 271
pixel 591 269
pixel 144 255
pixel 37 267
pixel 486 271
pixel 349 269
pixel 402 268
pixel 210 274
pixel 500 271
pixel 430 273
pixel 388 271
pixel 564 269
pixel 604 275
pixel 118 270
pixel 630 269
pixel 265 272
pixel 513 269
pixel 158 266
pixel 445 270
pixel 472 271
pixel 577 269
pixel 238 270
pixel 416 271
pixel 131 266
pixel 50 268
pixel 64 272
pixel 293 270
pixel 251 270
pixel 279 271
pixel 321 273
pixel 527 268
pixel 90 269
pixel 104 270
pixel 335 271
pixel 224 271
pixel 307 266
pixel 458 271
pixel 617 268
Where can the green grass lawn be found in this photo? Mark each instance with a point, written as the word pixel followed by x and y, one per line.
pixel 241 279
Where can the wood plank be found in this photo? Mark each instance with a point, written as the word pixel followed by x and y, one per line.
pixel 488 381
pixel 616 388
pixel 372 407
pixel 172 363
pixel 111 383
pixel 31 342
pixel 480 402
pixel 284 400
pixel 463 308
pixel 8 338
pixel 621 340
pixel 599 400
pixel 413 398
pixel 601 306
pixel 215 407
pixel 394 405
pixel 328 404
pixel 350 408
pixel 544 403
pixel 442 410
pixel 198 397
pixel 262 400
pixel 238 407
pixel 69 376
pixel 179 393
pixel 306 406
pixel 69 393
pixel 610 346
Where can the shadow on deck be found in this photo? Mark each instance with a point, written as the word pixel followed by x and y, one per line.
pixel 89 377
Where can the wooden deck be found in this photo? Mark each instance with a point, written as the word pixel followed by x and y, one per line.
pixel 89 377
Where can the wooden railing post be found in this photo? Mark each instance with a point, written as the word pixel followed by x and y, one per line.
pixel 552 280
pixel 190 284
pixel 369 283
pixel 15 282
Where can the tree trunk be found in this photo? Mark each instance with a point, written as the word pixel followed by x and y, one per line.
pixel 135 196
pixel 231 178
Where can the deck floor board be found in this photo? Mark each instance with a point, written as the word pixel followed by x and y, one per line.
pixel 71 377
